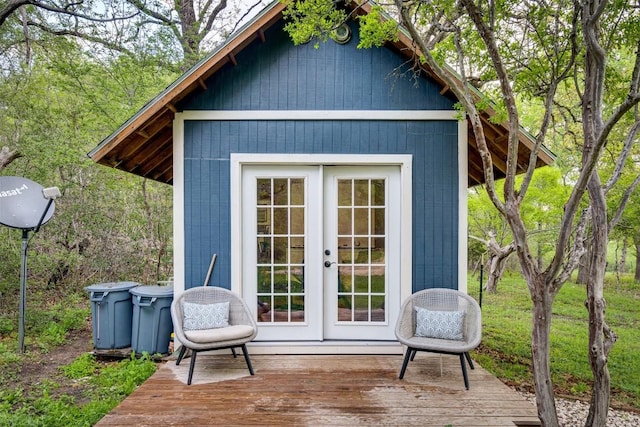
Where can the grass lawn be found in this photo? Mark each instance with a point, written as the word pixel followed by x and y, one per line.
pixel 506 351
pixel 55 383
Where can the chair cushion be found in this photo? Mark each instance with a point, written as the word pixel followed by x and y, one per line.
pixel 446 325
pixel 205 316
pixel 205 336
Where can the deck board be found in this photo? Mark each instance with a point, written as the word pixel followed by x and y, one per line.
pixel 333 390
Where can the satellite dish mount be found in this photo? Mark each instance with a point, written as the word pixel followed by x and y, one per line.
pixel 27 206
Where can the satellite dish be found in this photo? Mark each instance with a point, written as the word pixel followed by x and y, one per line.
pixel 23 204
pixel 26 205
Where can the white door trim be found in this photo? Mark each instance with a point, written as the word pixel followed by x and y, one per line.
pixel 404 161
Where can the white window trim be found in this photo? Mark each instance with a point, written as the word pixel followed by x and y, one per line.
pixel 227 115
pixel 387 115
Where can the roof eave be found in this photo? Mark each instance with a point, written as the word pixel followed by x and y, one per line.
pixel 169 96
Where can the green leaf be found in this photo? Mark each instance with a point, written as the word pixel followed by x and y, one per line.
pixel 375 31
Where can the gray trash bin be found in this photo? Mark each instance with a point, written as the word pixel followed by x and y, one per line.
pixel 152 326
pixel 111 312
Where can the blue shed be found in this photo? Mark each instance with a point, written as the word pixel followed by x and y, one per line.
pixel 331 182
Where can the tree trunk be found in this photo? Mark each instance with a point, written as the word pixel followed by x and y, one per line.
pixel 189 25
pixel 601 338
pixel 622 267
pixel 636 242
pixel 496 267
pixel 583 270
pixel 497 262
pixel 545 400
pixel 542 296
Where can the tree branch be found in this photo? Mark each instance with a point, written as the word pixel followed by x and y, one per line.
pixel 213 15
pixel 7 155
pixel 622 157
pixel 13 5
pixel 111 45
pixel 10 8
pixel 508 97
pixel 623 203
pixel 461 91
pixel 632 100
pixel 253 6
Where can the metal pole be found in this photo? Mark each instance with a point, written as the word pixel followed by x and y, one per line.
pixel 23 290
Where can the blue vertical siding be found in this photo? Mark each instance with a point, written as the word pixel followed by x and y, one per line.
pixel 276 75
pixel 435 183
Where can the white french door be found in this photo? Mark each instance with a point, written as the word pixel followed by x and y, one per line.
pixel 361 252
pixel 321 251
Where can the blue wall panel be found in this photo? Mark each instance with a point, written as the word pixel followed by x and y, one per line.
pixel 275 75
pixel 435 196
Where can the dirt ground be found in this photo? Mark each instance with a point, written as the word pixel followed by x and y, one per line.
pixel 40 367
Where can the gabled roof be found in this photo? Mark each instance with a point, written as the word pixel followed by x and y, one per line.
pixel 143 145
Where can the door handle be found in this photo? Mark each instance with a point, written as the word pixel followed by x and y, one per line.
pixel 328 263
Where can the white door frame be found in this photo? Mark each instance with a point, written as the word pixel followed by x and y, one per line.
pixel 310 328
pixel 381 330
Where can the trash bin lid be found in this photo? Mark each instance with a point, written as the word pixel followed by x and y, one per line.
pixel 111 286
pixel 153 291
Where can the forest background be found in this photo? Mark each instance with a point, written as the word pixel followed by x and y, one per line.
pixel 66 83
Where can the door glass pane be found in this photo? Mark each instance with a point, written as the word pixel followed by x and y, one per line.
pixel 264 249
pixel 361 216
pixel 377 308
pixel 264 279
pixel 361 280
pixel 377 221
pixel 280 220
pixel 377 192
pixel 264 309
pixel 345 250
pixel 280 195
pixel 361 221
pixel 264 191
pixel 280 280
pixel 280 250
pixel 281 213
pixel 344 192
pixel 297 308
pixel 297 192
pixel 296 250
pixel 361 311
pixel 344 307
pixel 361 192
pixel 344 220
pixel 377 250
pixel 281 308
pixel 297 220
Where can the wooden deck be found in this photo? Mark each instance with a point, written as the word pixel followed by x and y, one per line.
pixel 331 390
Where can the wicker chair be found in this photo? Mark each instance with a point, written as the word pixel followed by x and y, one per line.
pixel 440 302
pixel 241 327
